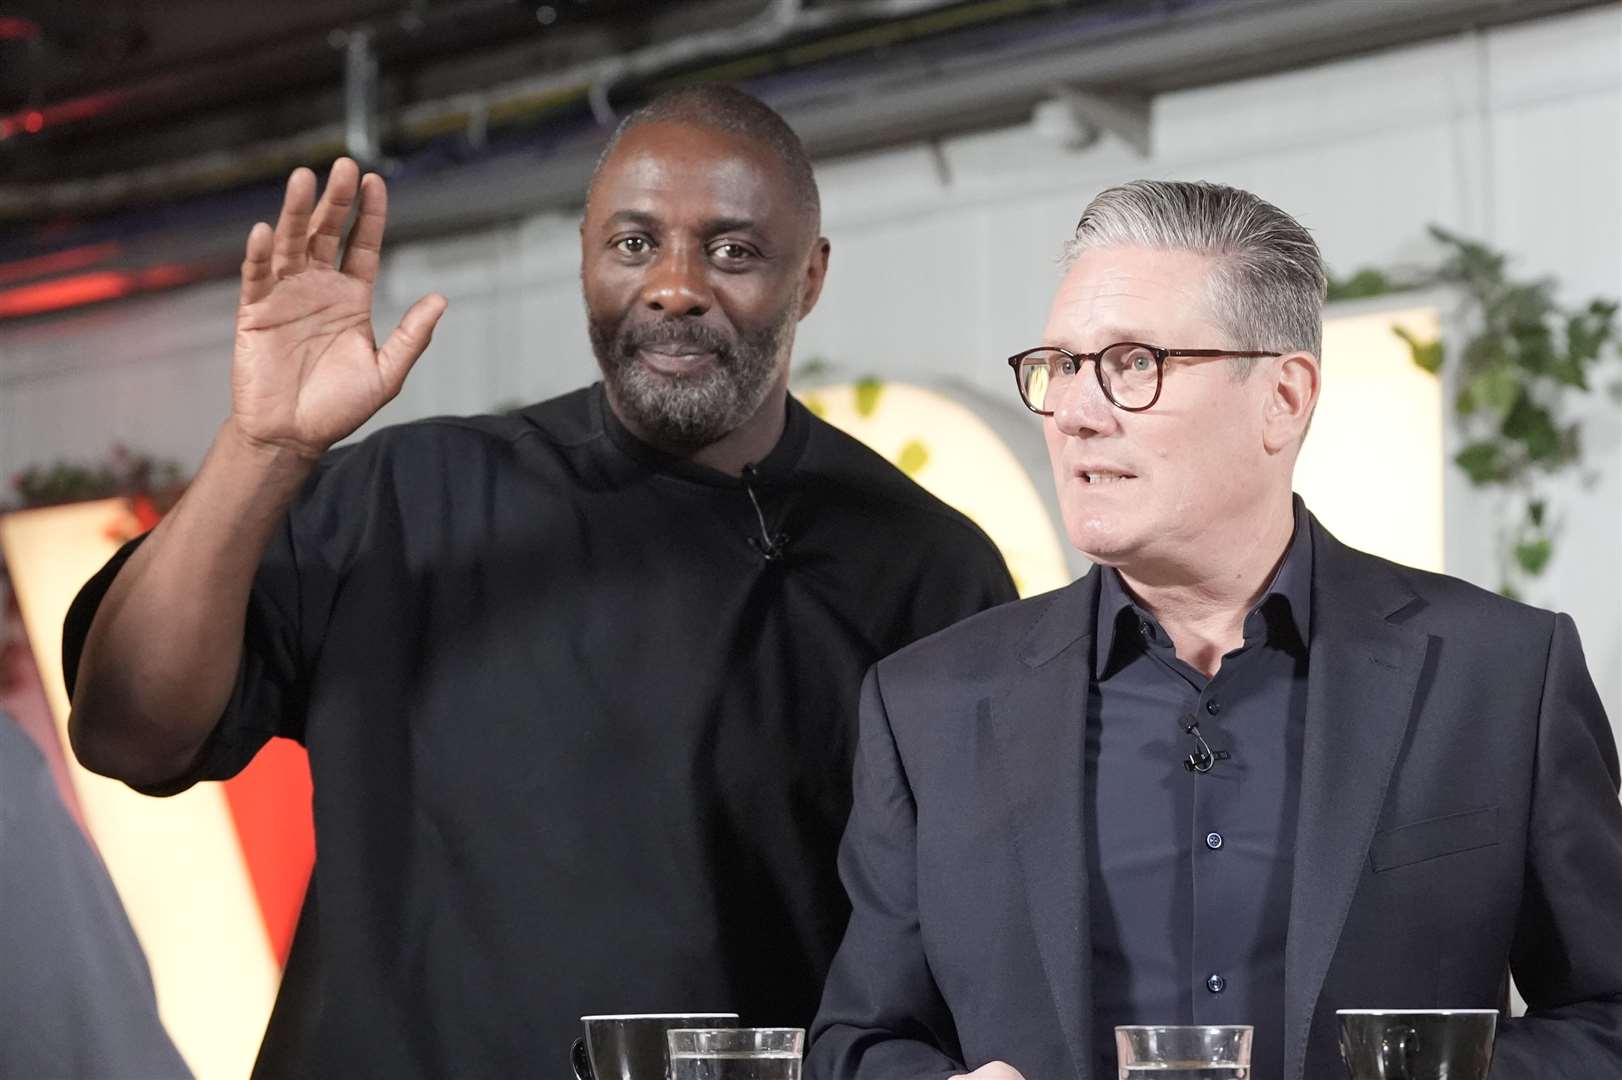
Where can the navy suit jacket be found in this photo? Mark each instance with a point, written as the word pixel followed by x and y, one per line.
pixel 1458 820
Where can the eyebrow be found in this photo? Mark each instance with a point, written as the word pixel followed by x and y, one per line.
pixel 644 220
pixel 1109 335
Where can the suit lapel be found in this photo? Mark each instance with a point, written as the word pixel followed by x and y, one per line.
pixel 1364 671
pixel 1037 731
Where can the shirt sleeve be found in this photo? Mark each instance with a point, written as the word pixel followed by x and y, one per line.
pixel 1567 959
pixel 268 698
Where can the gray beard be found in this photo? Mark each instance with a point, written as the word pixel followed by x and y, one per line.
pixel 691 413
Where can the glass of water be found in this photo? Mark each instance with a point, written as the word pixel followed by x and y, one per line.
pixel 735 1053
pixel 1172 1052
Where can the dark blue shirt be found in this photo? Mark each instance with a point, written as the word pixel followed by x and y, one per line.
pixel 1190 871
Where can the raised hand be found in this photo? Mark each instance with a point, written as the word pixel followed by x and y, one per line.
pixel 306 369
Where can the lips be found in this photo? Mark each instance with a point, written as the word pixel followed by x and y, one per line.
pixel 1096 476
pixel 675 360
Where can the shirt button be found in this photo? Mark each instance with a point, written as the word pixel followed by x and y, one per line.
pixel 1213 840
pixel 1216 984
pixel 1213 706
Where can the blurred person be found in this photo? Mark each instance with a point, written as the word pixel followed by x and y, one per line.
pixel 1238 773
pixel 578 683
pixel 76 997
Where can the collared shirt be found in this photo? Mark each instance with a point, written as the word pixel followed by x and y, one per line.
pixel 1190 871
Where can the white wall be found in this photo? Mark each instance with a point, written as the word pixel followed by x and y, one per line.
pixel 943 263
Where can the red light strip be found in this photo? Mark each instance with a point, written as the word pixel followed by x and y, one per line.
pixel 57 262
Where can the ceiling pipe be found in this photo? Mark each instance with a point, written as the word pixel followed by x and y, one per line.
pixel 360 99
pixel 778 22
pixel 1215 38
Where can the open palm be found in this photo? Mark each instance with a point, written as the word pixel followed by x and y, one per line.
pixel 306 369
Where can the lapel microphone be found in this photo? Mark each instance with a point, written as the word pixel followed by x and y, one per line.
pixel 768 543
pixel 1203 759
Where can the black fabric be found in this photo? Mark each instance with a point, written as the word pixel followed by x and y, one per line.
pixel 1190 872
pixel 578 744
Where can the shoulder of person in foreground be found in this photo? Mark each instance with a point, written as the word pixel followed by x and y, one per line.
pixel 77 999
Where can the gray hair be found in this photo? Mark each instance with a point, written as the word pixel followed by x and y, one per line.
pixel 1269 284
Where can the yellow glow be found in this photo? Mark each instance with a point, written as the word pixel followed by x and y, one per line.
pixel 176 862
pixel 1372 466
pixel 955 456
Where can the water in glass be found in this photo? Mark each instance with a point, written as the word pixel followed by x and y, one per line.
pixel 744 1065
pixel 1184 1070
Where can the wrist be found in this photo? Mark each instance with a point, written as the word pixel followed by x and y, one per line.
pixel 268 460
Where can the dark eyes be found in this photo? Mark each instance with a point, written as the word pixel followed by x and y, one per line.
pixel 729 253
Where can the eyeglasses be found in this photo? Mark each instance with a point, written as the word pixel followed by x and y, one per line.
pixel 1129 372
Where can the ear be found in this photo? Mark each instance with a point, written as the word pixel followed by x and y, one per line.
pixel 816 272
pixel 1290 401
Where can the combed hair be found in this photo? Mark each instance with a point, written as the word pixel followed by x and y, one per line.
pixel 1268 286
pixel 718 107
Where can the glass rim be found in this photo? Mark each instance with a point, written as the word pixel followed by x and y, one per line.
pixel 740 1030
pixel 1417 1012
pixel 1185 1027
pixel 701 1015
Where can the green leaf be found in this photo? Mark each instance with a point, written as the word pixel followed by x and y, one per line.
pixel 1533 426
pixel 1535 511
pixel 1533 555
pixel 913 457
pixel 1497 389
pixel 1427 354
pixel 867 396
pixel 1483 462
pixel 1365 283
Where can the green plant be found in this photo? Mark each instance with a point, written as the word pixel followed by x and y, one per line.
pixel 1524 365
pixel 122 473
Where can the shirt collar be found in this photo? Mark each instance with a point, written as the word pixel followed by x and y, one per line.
pixel 1289 595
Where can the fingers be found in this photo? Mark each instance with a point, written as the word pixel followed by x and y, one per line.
pixel 257 277
pixel 326 227
pixel 293 226
pixel 409 339
pixel 366 238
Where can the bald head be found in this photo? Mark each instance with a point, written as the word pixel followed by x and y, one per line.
pixel 725 109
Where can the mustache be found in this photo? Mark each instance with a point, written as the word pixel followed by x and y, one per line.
pixel 690 335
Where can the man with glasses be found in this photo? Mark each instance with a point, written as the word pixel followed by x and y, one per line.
pixel 1238 773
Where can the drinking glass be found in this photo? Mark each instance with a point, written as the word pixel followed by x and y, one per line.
pixel 1184 1052
pixel 1419 1044
pixel 736 1053
pixel 631 1046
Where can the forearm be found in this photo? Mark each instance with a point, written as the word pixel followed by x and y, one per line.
pixel 162 653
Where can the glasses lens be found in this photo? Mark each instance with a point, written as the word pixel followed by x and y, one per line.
pixel 1132 373
pixel 1043 377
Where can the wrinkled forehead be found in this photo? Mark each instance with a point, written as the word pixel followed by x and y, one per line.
pixel 1163 297
pixel 680 172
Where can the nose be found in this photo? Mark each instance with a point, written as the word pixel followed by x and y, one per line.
pixel 1082 409
pixel 676 283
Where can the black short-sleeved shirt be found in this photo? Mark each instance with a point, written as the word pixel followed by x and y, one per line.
pixel 578 745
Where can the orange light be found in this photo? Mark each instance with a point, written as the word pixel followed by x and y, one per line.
pixel 56 262
pixel 63 293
